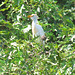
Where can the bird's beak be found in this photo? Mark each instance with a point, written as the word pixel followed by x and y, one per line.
pixel 30 16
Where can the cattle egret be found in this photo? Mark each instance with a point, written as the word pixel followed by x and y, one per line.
pixel 37 30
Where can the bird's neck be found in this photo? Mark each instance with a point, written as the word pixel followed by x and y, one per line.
pixel 34 22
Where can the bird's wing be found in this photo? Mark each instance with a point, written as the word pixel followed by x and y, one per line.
pixel 40 31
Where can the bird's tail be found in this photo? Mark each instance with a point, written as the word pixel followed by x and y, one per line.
pixel 43 37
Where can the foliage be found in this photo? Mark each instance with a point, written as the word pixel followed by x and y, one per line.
pixel 20 54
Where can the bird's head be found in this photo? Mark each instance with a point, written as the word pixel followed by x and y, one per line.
pixel 33 17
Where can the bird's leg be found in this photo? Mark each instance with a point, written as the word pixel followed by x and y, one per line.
pixel 33 35
pixel 43 44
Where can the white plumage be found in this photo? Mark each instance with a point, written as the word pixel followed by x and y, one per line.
pixel 37 30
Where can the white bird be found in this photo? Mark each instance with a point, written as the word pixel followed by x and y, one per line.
pixel 37 30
